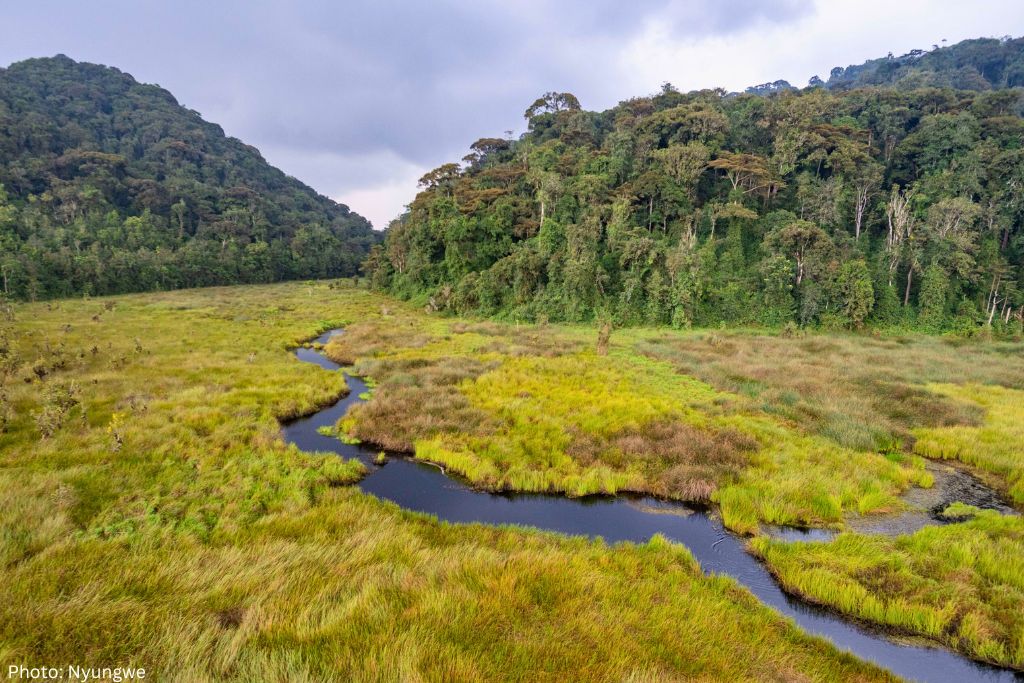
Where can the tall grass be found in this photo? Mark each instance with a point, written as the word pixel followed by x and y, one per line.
pixel 535 409
pixel 163 523
pixel 861 392
pixel 996 447
pixel 961 585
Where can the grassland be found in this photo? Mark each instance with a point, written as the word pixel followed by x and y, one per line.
pixel 859 391
pixel 536 409
pixel 151 514
pixel 961 585
pixel 805 430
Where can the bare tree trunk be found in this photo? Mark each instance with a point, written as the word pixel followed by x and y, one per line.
pixel 604 336
pixel 993 290
pixel 861 206
pixel 906 293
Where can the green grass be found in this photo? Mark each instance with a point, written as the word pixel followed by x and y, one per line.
pixel 535 409
pixel 961 585
pixel 162 522
pixel 996 447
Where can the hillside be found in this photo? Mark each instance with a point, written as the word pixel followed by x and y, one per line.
pixel 826 207
pixel 109 185
pixel 979 64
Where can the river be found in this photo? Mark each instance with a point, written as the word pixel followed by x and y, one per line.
pixel 426 488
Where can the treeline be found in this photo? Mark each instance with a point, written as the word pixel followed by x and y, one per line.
pixel 814 207
pixel 108 185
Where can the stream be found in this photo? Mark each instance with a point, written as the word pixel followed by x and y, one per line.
pixel 423 487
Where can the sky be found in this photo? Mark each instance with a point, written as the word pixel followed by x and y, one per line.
pixel 359 99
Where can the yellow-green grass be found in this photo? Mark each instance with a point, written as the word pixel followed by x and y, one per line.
pixel 859 391
pixel 165 524
pixel 535 409
pixel 996 447
pixel 961 584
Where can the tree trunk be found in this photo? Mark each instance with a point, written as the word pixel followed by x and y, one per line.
pixel 906 293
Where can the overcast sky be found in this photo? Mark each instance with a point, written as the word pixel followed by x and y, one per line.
pixel 359 99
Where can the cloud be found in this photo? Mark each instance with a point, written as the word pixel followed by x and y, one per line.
pixel 358 98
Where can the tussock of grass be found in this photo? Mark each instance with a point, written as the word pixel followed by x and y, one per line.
pixel 579 424
pixel 996 447
pixel 164 523
pixel 961 585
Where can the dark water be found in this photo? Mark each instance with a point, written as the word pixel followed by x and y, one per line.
pixel 425 488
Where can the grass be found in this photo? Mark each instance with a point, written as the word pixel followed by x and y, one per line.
pixel 150 514
pixel 861 392
pixel 961 585
pixel 535 409
pixel 996 447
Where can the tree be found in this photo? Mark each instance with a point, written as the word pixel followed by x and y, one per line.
pixel 748 173
pixel 552 103
pixel 856 292
pixel 797 241
pixel 864 186
pixel 932 299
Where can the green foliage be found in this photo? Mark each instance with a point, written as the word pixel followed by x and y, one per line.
pixel 933 298
pixel 108 185
pixel 980 64
pixel 687 209
pixel 857 295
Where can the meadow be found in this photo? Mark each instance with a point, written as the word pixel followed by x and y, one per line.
pixel 961 585
pixel 807 430
pixel 538 409
pixel 150 513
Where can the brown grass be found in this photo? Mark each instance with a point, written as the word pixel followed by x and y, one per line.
pixel 862 392
pixel 686 462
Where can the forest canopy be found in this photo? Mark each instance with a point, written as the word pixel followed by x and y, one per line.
pixel 827 206
pixel 108 185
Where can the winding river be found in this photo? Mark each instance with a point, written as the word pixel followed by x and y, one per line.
pixel 425 488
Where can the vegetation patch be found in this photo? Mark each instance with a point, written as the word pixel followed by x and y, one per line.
pixel 960 584
pixel 994 447
pixel 861 392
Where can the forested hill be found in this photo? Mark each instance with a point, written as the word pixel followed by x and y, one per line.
pixel 825 207
pixel 109 185
pixel 979 64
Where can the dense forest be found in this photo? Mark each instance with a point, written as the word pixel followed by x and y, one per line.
pixel 827 206
pixel 108 185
